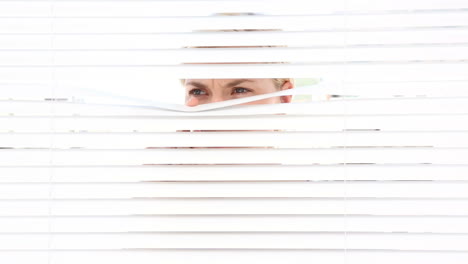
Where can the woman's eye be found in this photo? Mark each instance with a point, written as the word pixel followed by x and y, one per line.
pixel 241 90
pixel 197 92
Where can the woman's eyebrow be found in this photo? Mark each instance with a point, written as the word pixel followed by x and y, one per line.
pixel 237 82
pixel 197 84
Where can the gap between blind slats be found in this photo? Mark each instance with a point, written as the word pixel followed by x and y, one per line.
pixel 177 173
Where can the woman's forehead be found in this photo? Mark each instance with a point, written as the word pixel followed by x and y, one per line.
pixel 225 82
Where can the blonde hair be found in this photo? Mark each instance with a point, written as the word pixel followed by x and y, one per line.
pixel 280 81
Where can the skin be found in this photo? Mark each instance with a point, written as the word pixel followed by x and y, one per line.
pixel 204 91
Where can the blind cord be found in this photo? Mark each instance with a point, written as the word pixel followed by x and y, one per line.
pixel 52 129
pixel 345 186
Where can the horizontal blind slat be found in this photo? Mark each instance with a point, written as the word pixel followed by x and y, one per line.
pixel 309 189
pixel 225 139
pixel 234 224
pixel 374 241
pixel 141 24
pixel 295 123
pixel 382 71
pixel 369 89
pixel 233 256
pixel 64 107
pixel 370 155
pixel 174 57
pixel 236 207
pixel 351 172
pixel 448 35
pixel 167 8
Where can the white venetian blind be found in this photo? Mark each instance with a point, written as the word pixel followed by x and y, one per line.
pixel 378 172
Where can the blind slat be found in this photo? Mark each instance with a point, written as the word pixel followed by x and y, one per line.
pixel 457 35
pixel 234 256
pixel 234 224
pixel 104 24
pixel 297 123
pixel 382 71
pixel 230 207
pixel 352 172
pixel 249 139
pixel 374 241
pixel 45 108
pixel 369 155
pixel 168 8
pixel 174 57
pixel 310 189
